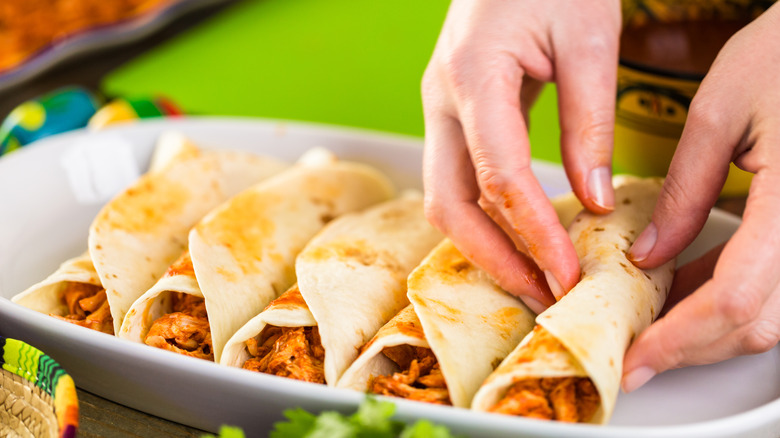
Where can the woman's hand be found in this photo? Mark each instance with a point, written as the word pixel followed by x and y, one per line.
pixel 735 310
pixel 490 63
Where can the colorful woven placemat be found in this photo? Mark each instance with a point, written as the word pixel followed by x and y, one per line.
pixel 37 397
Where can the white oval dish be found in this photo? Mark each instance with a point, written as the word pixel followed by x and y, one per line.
pixel 50 191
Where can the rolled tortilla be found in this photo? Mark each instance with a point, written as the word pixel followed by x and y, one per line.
pixel 582 339
pixel 74 292
pixel 139 233
pixel 351 281
pixel 459 326
pixel 172 314
pixel 244 251
pixel 60 293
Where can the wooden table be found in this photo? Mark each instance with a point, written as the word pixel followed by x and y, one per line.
pixel 100 417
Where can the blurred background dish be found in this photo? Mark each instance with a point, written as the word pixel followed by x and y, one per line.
pixel 37 397
pixel 37 34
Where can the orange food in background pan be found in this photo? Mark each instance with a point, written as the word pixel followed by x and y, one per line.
pixel 28 26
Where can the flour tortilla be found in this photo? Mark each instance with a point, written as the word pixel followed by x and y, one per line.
pixel 244 251
pixel 351 281
pixel 46 296
pixel 139 233
pixel 157 301
pixel 457 311
pixel 597 320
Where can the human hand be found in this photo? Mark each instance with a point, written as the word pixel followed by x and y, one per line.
pixel 489 65
pixel 735 305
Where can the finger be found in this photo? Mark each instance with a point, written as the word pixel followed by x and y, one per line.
pixel 692 276
pixel 743 280
pixel 451 205
pixel 497 139
pixel 696 175
pixel 586 76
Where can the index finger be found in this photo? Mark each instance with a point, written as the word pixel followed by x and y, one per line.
pixel 497 139
pixel 745 276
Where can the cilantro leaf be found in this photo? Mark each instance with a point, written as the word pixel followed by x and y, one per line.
pixel 373 419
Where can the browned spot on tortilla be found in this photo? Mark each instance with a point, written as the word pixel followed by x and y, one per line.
pixel 628 270
pixel 541 343
pixel 244 227
pixel 292 298
pixel 626 201
pixel 495 363
pixel 598 229
pixel 343 250
pixel 410 328
pixel 147 206
pixel 506 317
pixel 646 275
pixel 460 265
pixel 611 362
pixel 227 274
pixel 444 307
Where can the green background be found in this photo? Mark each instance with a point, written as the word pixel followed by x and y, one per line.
pixel 343 62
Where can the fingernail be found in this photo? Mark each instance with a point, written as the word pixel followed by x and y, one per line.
pixel 535 305
pixel 600 187
pixel 555 287
pixel 637 378
pixel 643 244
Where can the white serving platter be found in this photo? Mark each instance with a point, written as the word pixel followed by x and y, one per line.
pixel 51 190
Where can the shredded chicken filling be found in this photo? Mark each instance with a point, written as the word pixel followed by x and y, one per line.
pixel 419 378
pixel 185 330
pixel 87 306
pixel 293 352
pixel 569 399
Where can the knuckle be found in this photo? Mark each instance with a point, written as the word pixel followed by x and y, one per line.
pixel 457 67
pixel 703 115
pixel 739 307
pixel 494 183
pixel 677 197
pixel 762 337
pixel 597 133
pixel 599 45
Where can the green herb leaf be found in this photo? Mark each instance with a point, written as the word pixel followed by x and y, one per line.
pixel 426 429
pixel 300 423
pixel 373 419
pixel 227 432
